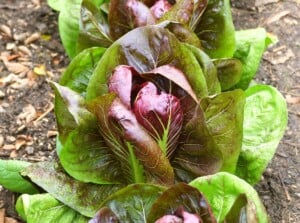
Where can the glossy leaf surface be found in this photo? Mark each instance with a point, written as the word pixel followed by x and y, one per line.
pixel 223 189
pixel 216 30
pixel 45 208
pixel 264 125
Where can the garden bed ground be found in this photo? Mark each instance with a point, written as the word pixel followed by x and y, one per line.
pixel 31 54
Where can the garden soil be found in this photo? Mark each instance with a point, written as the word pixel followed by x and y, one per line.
pixel 31 54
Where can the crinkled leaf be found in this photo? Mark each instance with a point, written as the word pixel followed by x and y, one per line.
pixel 82 197
pixel 250 45
pixel 209 70
pixel 125 15
pixel 229 72
pixel 181 196
pixel 45 208
pixel 216 29
pixel 79 71
pixel 130 204
pixel 123 133
pixel 68 24
pixel 198 154
pixel 83 154
pixel 223 189
pixel 11 179
pixel 224 115
pixel 93 27
pixel 145 49
pixel 265 122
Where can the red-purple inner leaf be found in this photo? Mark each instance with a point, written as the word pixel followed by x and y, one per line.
pixel 158 111
pixel 160 8
pixel 140 13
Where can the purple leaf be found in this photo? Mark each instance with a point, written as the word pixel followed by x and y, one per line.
pixel 160 8
pixel 160 113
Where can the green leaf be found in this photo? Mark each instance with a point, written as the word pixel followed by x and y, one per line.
pixel 82 197
pixel 145 49
pixel 83 152
pixel 45 208
pixel 93 27
pixel 216 30
pixel 181 196
pixel 68 24
pixel 133 203
pixel 224 115
pixel 209 70
pixel 265 122
pixel 229 72
pixel 79 71
pixel 11 179
pixel 223 189
pixel 57 5
pixel 250 45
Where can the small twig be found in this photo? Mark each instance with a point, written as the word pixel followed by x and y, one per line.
pixel 292 144
pixel 287 194
pixel 51 107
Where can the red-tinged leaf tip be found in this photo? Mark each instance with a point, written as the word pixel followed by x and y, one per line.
pixel 104 215
pixel 160 8
pixel 169 219
pixel 140 13
pixel 157 112
pixel 120 83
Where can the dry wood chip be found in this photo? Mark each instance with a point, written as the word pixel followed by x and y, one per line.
pixel 13 154
pixel 20 143
pixel 8 147
pixel 25 50
pixel 16 68
pixel 264 2
pixel 292 100
pixel 28 114
pixel 21 36
pixel 10 46
pixel 6 30
pixel 277 16
pixel 52 133
pixel 1 140
pixel 2 215
pixel 10 220
pixel 32 38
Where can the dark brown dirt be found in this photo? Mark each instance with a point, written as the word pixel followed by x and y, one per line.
pixel 34 139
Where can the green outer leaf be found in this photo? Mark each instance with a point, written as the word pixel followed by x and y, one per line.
pixel 57 5
pixel 146 48
pixel 222 189
pixel 68 24
pixel 250 45
pixel 209 70
pixel 265 123
pixel 79 71
pixel 82 153
pixel 216 29
pixel 133 203
pixel 224 115
pixel 11 179
pixel 82 197
pixel 45 208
